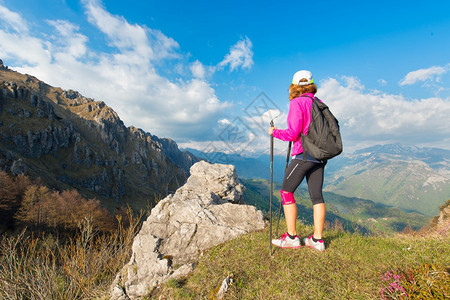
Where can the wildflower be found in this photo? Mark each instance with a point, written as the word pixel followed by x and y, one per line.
pixel 394 288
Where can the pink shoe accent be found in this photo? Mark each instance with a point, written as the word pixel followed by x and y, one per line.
pixel 310 240
pixel 287 198
pixel 319 241
pixel 280 243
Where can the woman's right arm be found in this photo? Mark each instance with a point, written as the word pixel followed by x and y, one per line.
pixel 294 122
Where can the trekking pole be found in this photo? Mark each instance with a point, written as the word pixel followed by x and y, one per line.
pixel 271 188
pixel 281 203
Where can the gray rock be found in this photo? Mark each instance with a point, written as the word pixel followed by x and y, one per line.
pixel 118 293
pixel 224 287
pixel 18 167
pixel 201 214
pixel 443 221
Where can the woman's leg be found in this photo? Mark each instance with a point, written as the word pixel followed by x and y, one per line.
pixel 314 179
pixel 319 212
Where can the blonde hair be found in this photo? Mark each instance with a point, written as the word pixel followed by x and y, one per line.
pixel 297 90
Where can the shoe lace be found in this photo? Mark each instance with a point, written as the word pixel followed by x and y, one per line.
pixel 284 236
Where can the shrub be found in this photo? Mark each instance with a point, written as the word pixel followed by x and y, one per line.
pixel 42 208
pixel 423 282
pixel 427 282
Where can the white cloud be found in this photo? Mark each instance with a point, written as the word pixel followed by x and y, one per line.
pixel 16 42
pixel 224 122
pixel 245 135
pixel 431 73
pixel 198 70
pixel 13 20
pixel 241 55
pixel 136 43
pixel 69 40
pixel 374 117
pixel 126 77
pixel 382 82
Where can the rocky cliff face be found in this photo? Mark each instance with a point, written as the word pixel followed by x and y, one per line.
pixel 71 141
pixel 440 224
pixel 203 213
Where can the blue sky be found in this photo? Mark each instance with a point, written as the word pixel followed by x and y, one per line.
pixel 211 74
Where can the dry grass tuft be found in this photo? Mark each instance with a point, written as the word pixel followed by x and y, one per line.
pixel 83 267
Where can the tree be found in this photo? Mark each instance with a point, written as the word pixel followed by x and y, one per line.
pixel 8 191
pixel 33 208
pixel 11 193
pixel 77 208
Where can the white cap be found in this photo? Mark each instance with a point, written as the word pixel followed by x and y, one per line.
pixel 303 74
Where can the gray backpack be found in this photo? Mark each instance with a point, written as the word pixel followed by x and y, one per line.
pixel 323 140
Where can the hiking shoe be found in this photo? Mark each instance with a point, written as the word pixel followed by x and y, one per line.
pixel 286 242
pixel 319 245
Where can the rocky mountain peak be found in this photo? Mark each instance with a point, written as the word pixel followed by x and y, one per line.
pixel 71 141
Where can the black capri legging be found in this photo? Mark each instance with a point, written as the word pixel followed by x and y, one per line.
pixel 297 170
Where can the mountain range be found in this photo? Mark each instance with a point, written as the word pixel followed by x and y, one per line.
pixel 408 177
pixel 73 142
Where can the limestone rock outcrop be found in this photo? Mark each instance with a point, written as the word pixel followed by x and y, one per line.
pixel 443 220
pixel 203 213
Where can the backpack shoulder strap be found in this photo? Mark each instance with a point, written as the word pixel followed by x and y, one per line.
pixel 308 97
pixel 314 100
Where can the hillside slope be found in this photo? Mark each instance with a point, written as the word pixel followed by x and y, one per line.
pixel 71 141
pixel 411 178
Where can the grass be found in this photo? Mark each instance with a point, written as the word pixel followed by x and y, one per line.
pixel 350 268
pixel 81 267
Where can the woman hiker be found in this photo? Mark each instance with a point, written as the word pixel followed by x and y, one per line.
pixel 298 120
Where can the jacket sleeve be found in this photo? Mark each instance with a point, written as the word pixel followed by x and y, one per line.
pixel 294 122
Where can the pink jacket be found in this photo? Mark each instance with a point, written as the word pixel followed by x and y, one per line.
pixel 298 120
